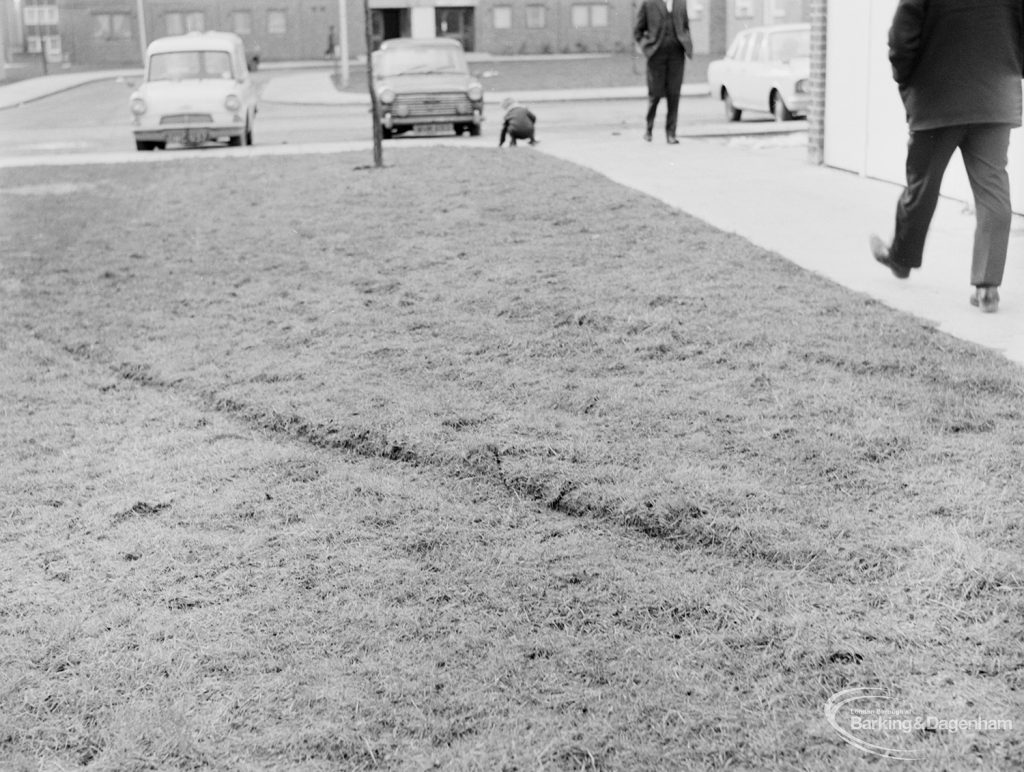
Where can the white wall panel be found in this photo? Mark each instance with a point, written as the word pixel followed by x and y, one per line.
pixel 865 124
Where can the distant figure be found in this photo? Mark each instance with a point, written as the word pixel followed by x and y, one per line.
pixel 518 123
pixel 958 64
pixel 662 30
pixel 332 43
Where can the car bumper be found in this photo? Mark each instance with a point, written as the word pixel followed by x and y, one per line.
pixel 392 121
pixel 182 133
pixel 798 104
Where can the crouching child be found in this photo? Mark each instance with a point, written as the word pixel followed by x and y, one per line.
pixel 518 123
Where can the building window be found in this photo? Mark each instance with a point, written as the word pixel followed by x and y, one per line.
pixel 241 22
pixel 40 15
pixel 590 15
pixel 111 26
pixel 35 43
pixel 174 23
pixel 179 23
pixel 744 9
pixel 277 22
pixel 536 16
pixel 502 17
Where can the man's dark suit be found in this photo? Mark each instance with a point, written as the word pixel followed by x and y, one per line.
pixel 665 40
pixel 958 64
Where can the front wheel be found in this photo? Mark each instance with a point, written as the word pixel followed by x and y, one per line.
pixel 474 129
pixel 731 113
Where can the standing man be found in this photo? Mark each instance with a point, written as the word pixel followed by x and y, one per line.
pixel 332 44
pixel 958 64
pixel 662 30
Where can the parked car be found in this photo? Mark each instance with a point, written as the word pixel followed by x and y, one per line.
pixel 196 89
pixel 424 85
pixel 765 70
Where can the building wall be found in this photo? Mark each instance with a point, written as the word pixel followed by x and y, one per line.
pixel 865 124
pixel 298 29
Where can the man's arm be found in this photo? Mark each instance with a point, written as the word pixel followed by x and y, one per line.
pixel 687 40
pixel 905 39
pixel 640 24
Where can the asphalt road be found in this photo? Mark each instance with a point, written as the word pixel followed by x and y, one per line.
pixel 94 119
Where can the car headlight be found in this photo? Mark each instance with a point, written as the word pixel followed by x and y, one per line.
pixel 138 106
pixel 801 86
pixel 475 92
pixel 386 96
pixel 233 103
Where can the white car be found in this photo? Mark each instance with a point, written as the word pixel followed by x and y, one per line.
pixel 766 69
pixel 197 89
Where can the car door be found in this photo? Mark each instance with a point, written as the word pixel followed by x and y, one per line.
pixel 746 94
pixel 732 65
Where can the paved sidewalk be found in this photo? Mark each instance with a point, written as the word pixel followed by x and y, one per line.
pixel 815 216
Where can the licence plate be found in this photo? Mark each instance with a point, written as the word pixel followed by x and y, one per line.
pixel 189 136
pixel 433 128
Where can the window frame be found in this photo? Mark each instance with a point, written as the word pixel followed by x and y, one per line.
pixel 501 16
pixel 582 16
pixel 127 30
pixel 537 9
pixel 241 14
pixel 274 14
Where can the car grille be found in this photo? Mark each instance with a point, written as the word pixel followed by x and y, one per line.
pixel 186 118
pixel 435 104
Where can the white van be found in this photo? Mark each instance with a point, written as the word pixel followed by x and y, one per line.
pixel 197 89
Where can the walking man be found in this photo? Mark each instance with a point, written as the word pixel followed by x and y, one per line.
pixel 958 64
pixel 662 30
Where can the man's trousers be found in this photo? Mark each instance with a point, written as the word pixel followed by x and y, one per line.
pixel 984 150
pixel 665 79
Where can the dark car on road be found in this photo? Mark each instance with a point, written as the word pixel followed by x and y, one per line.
pixel 424 86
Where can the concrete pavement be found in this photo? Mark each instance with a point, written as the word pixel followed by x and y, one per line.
pixel 761 188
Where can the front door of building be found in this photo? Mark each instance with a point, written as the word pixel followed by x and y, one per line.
pixel 456 23
pixel 389 23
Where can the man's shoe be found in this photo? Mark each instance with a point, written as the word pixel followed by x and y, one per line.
pixel 986 299
pixel 672 140
pixel 647 136
pixel 881 252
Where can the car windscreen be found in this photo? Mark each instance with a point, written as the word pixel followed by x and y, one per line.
pixel 190 65
pixel 785 46
pixel 425 60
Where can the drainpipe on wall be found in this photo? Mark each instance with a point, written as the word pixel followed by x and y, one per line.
pixel 816 114
pixel 343 40
pixel 142 29
pixel 3 41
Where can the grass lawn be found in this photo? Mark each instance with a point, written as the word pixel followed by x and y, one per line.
pixel 478 461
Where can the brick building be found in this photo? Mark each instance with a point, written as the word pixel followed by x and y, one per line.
pixel 110 32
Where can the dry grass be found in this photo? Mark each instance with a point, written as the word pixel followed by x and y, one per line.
pixel 353 469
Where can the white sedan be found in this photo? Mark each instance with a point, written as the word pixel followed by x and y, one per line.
pixel 765 70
